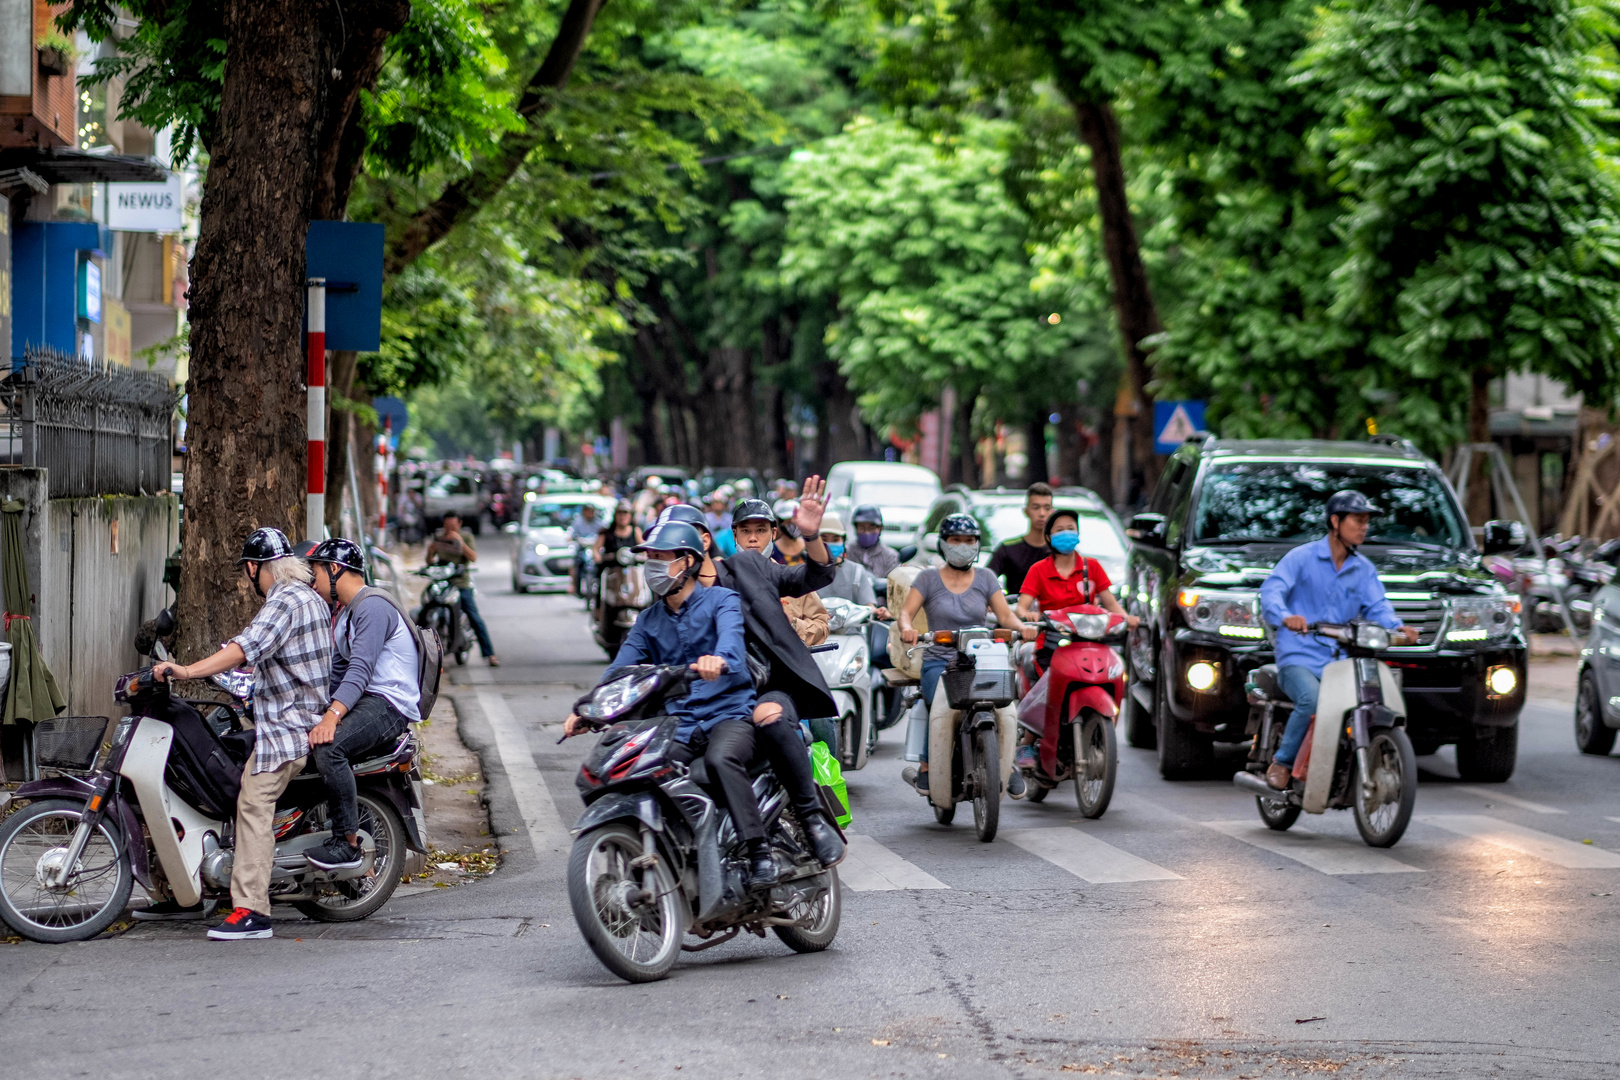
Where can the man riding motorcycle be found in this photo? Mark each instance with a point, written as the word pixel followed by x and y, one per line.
pixel 1323 581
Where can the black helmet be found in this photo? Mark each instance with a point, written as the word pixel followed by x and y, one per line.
pixel 673 536
pixel 305 548
pixel 1057 512
pixel 266 545
pixel 1348 502
pixel 683 512
pixel 958 525
pixel 866 514
pixel 752 510
pixel 338 550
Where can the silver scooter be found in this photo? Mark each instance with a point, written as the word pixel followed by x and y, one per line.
pixel 847 666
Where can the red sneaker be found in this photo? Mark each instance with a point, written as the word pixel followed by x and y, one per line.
pixel 241 924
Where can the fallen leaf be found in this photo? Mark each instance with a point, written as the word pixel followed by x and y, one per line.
pixel 448 865
pixel 1586 841
pixel 880 1042
pixel 1310 1020
pixel 781 997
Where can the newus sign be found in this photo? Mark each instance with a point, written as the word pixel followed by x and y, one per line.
pixel 145 207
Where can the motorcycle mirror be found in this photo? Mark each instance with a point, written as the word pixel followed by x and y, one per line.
pixel 165 623
pixel 907 553
pixel 1148 529
pixel 1501 537
pixel 510 526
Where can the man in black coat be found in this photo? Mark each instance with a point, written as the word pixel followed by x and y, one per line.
pixel 793 687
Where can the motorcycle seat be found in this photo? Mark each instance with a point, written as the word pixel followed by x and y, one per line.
pixel 698 770
pixel 1265 678
pixel 896 677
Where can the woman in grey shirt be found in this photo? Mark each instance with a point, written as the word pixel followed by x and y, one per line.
pixel 955 595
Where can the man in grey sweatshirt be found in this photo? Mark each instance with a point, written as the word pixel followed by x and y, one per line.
pixel 375 695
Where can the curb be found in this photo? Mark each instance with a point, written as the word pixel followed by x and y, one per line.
pixel 506 824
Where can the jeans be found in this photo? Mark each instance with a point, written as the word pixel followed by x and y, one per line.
pixel 784 747
pixel 931 671
pixel 470 606
pixel 373 725
pixel 726 750
pixel 1301 685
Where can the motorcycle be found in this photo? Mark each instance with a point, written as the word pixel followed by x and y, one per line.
pixel 656 857
pixel 165 792
pixel 1085 682
pixel 846 666
pixel 441 612
pixel 590 578
pixel 1357 751
pixel 624 593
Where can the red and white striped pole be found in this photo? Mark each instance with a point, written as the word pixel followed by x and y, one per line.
pixel 384 438
pixel 315 512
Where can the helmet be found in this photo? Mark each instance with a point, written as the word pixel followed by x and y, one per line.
pixel 673 536
pixel 654 483
pixel 752 510
pixel 785 509
pixel 867 514
pixel 832 523
pixel 623 506
pixel 745 487
pixel 682 512
pixel 1057 512
pixel 266 545
pixel 338 550
pixel 1348 502
pixel 303 548
pixel 959 525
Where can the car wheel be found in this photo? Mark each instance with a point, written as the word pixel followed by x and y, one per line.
pixel 1185 753
pixel 1488 754
pixel 1140 731
pixel 1592 735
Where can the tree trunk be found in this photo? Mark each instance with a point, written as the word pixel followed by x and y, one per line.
pixel 1479 432
pixel 340 369
pixel 966 458
pixel 1133 297
pixel 364 447
pixel 728 421
pixel 1036 472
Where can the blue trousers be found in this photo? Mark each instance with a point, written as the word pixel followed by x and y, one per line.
pixel 470 606
pixel 1301 685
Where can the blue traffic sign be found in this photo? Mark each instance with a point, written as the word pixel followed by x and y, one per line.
pixel 349 255
pixel 1174 422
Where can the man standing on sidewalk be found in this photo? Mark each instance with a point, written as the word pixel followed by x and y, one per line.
pixel 449 547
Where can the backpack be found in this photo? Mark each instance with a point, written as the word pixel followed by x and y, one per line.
pixel 429 652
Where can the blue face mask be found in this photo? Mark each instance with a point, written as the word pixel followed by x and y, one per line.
pixel 836 550
pixel 1065 541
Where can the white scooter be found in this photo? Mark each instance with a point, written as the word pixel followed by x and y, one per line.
pixel 847 666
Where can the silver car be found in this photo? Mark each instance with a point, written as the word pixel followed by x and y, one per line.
pixel 545 551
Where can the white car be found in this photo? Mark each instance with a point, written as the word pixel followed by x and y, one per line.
pixel 903 492
pixel 544 555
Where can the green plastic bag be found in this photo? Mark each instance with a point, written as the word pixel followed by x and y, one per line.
pixel 830 776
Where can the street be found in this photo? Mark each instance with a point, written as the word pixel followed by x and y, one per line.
pixel 1176 936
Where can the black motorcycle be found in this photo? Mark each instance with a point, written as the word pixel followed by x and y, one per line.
pixel 655 855
pixel 441 610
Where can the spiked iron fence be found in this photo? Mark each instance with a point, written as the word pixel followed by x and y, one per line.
pixel 100 429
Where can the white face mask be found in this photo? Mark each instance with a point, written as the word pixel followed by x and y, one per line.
pixel 661 580
pixel 961 556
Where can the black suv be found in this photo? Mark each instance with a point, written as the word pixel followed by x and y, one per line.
pixel 1222 515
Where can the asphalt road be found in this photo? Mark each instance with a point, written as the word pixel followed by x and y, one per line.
pixel 1175 937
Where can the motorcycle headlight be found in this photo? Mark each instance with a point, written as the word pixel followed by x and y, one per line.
pixel 1370 636
pixel 1482 618
pixel 616 697
pixel 1229 614
pixel 852 670
pixel 1089 626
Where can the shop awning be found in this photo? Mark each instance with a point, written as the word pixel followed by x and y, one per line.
pixel 83 166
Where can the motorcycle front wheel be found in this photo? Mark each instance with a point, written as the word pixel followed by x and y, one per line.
pixel 820 919
pixel 35 839
pixel 986 784
pixel 357 898
pixel 635 935
pixel 1095 755
pixel 1382 817
pixel 1277 816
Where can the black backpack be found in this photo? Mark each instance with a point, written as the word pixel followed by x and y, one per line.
pixel 429 652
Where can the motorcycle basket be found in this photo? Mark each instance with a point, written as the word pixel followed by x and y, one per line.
pixel 965 685
pixel 69 743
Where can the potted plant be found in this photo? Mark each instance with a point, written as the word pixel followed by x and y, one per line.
pixel 56 54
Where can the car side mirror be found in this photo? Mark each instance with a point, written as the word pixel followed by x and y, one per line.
pixel 1148 529
pixel 907 553
pixel 1500 537
pixel 511 527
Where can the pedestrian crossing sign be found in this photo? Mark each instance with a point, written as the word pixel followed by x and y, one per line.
pixel 1174 422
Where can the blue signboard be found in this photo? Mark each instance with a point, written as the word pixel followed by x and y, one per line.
pixel 391 412
pixel 349 255
pixel 1174 422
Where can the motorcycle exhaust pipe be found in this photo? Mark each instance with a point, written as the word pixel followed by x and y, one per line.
pixel 1256 785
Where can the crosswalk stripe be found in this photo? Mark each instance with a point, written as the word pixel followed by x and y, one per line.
pixel 868 866
pixel 1490 795
pixel 1327 854
pixel 1554 849
pixel 1086 857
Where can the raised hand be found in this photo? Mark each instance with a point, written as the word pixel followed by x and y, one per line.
pixel 811 507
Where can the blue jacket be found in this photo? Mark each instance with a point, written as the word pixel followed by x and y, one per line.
pixel 709 623
pixel 1305 582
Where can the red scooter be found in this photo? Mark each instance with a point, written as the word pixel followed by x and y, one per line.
pixel 1085 684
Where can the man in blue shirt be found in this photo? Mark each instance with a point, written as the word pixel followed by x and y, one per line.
pixel 1323 581
pixel 701 626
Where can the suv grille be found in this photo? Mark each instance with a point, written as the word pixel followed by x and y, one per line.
pixel 1422 610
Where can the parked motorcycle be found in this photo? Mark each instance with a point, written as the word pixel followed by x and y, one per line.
pixel 1083 686
pixel 165 792
pixel 846 666
pixel 624 594
pixel 441 612
pixel 656 857
pixel 979 681
pixel 1357 753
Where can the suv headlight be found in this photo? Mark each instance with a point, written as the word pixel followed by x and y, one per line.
pixel 1229 614
pixel 1482 618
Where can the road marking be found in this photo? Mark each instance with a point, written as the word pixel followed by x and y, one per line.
pixel 545 828
pixel 1327 854
pixel 1086 857
pixel 1511 800
pixel 1554 849
pixel 868 866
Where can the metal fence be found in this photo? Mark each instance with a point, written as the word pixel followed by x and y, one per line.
pixel 99 429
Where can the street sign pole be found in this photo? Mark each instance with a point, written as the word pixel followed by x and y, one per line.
pixel 315 512
pixel 384 438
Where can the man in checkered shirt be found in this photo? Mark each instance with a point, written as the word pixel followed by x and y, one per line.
pixel 289 644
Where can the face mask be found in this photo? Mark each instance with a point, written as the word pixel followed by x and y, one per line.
pixel 868 539
pixel 789 530
pixel 1065 541
pixel 961 556
pixel 836 550
pixel 660 580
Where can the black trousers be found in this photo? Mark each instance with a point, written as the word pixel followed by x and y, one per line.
pixel 726 749
pixel 372 726
pixel 784 747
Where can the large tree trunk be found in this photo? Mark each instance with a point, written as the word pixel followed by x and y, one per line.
pixel 967 460
pixel 1036 471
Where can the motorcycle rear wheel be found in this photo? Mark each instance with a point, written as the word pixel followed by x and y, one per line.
pixel 1035 792
pixel 1096 754
pixel 100 889
pixel 824 915
pixel 358 898
pixel 986 784
pixel 1394 765
pixel 636 945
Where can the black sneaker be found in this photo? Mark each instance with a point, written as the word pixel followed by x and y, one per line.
pixel 171 911
pixel 336 854
pixel 242 924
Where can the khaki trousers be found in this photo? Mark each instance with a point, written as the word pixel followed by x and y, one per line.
pixel 255 834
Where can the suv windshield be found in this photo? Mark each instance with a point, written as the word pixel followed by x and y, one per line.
pixel 1283 500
